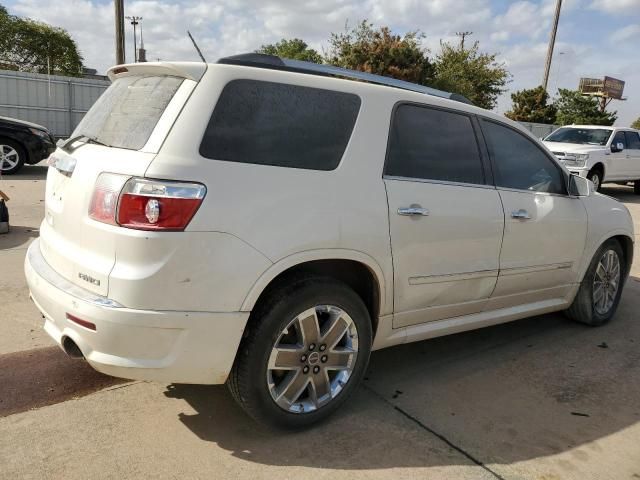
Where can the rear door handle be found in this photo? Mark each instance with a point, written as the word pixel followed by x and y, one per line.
pixel 413 210
pixel 522 214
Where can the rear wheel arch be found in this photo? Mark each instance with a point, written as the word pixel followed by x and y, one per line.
pixel 362 276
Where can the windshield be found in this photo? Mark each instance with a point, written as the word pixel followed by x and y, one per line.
pixel 584 136
pixel 128 111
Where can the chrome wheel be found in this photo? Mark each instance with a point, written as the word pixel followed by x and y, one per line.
pixel 606 282
pixel 313 359
pixel 595 179
pixel 9 157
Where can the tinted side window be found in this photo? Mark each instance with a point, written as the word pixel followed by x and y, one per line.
pixel 283 125
pixel 433 144
pixel 520 163
pixel 633 140
pixel 619 138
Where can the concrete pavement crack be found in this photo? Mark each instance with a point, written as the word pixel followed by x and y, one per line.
pixel 439 436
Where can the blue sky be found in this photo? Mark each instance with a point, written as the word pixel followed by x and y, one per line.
pixel 596 37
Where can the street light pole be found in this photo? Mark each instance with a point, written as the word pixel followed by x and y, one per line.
pixel 135 21
pixel 552 42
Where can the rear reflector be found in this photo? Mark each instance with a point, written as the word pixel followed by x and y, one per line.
pixel 82 323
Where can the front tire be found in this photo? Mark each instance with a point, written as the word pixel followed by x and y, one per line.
pixel 305 351
pixel 599 294
pixel 636 187
pixel 12 156
pixel 596 177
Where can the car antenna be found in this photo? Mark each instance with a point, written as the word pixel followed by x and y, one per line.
pixel 196 46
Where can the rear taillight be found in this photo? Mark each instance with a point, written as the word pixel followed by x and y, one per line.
pixel 145 204
pixel 104 202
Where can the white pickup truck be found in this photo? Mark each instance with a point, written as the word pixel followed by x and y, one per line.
pixel 601 154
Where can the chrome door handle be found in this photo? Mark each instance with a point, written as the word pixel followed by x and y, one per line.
pixel 521 214
pixel 413 210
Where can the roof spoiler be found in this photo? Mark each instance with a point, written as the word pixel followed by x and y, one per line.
pixel 260 60
pixel 190 70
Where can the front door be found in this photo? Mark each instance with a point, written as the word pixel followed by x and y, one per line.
pixel 446 222
pixel 545 228
pixel 617 162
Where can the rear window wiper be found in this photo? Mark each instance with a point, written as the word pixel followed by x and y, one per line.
pixel 66 144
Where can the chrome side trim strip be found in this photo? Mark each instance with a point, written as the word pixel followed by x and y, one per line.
pixel 535 269
pixel 437 182
pixel 455 277
pixel 44 270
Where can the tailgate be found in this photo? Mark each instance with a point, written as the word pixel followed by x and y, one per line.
pixel 121 134
pixel 81 249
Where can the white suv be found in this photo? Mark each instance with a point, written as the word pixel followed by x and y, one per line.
pixel 262 223
pixel 601 154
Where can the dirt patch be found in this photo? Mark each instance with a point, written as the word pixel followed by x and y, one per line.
pixel 44 376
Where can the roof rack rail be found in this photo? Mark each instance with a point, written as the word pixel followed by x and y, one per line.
pixel 261 60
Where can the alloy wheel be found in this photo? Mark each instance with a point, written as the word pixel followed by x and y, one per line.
pixel 313 359
pixel 595 178
pixel 606 282
pixel 9 157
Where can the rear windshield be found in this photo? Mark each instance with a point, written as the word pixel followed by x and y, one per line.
pixel 283 125
pixel 128 111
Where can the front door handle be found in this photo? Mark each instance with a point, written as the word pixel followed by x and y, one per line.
pixel 413 210
pixel 522 214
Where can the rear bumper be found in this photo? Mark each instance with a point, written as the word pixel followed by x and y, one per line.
pixel 165 346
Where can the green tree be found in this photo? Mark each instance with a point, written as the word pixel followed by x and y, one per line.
pixel 532 105
pixel 31 46
pixel 381 52
pixel 469 72
pixel 636 124
pixel 295 49
pixel 579 109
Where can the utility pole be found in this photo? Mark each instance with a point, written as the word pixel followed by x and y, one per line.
pixel 462 36
pixel 135 21
pixel 120 57
pixel 552 42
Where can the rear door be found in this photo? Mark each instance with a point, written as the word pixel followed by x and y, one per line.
pixel 633 155
pixel 126 127
pixel 446 220
pixel 545 229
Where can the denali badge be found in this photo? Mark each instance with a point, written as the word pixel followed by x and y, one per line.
pixel 87 278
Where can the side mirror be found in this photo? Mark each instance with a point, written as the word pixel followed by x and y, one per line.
pixel 617 147
pixel 580 187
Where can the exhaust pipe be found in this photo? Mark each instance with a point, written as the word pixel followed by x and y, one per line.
pixel 71 348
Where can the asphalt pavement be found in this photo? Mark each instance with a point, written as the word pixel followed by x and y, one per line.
pixel 541 398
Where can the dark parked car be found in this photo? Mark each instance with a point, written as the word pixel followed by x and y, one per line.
pixel 22 142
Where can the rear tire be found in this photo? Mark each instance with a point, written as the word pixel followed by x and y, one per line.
pixel 318 372
pixel 12 156
pixel 596 177
pixel 589 307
